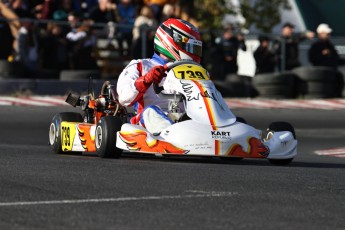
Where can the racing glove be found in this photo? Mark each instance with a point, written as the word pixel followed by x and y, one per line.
pixel 155 75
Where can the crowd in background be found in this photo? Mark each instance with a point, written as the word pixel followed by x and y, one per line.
pixel 68 31
pixel 61 34
pixel 322 51
pixel 279 53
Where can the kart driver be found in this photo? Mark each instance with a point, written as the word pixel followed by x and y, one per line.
pixel 175 39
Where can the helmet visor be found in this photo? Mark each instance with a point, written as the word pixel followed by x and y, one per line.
pixel 190 45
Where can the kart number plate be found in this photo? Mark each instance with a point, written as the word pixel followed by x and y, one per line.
pixel 191 72
pixel 67 136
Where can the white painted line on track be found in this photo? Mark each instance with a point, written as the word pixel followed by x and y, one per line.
pixel 121 199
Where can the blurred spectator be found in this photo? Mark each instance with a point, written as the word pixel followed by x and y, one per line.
pixel 127 15
pixel 43 10
pixel 186 14
pixel 147 23
pixel 20 8
pixel 104 12
pixel 6 40
pixel 27 45
pixel 81 41
pixel 56 9
pixel 8 31
pixel 291 41
pixel 167 12
pixel 157 7
pixel 322 52
pixel 87 5
pixel 229 45
pixel 54 54
pixel 264 57
pixel 63 9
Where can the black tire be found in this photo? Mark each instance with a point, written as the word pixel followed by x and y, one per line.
pixel 277 127
pixel 240 85
pixel 276 91
pixel 283 78
pixel 316 73
pixel 13 70
pixel 223 88
pixel 323 88
pixel 105 137
pixel 319 82
pixel 282 126
pixel 55 131
pixel 71 75
pixel 276 85
pixel 46 74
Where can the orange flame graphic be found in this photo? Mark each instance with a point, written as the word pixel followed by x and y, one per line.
pixel 256 149
pixel 86 140
pixel 137 141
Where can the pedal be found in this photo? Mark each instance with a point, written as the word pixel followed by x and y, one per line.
pixel 73 100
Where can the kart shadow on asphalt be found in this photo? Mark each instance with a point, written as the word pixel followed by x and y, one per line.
pixel 229 161
pixel 207 160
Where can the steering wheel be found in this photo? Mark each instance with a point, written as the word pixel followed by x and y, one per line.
pixel 170 65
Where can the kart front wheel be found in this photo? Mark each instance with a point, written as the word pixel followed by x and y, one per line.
pixel 55 129
pixel 105 137
pixel 278 127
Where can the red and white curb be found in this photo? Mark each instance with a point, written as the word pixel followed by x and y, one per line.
pixel 324 104
pixel 33 101
pixel 335 152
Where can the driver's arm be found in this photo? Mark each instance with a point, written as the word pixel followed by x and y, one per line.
pixel 133 82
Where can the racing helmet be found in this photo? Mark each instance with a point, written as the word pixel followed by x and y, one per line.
pixel 178 39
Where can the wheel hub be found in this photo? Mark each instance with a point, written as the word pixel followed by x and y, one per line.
pixel 98 138
pixel 52 133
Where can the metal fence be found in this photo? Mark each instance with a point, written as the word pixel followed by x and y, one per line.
pixel 106 35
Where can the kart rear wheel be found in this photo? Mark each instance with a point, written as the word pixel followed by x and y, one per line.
pixel 55 131
pixel 277 127
pixel 105 137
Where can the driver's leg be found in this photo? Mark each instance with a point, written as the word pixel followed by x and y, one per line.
pixel 154 119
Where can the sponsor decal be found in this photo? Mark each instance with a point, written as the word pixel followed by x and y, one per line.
pixel 212 96
pixel 191 72
pixel 67 135
pixel 188 89
pixel 221 135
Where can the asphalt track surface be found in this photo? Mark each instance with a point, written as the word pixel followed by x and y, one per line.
pixel 41 190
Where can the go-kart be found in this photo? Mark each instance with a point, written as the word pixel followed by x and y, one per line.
pixel 204 127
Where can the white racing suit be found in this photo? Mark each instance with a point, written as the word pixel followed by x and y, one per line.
pixel 151 109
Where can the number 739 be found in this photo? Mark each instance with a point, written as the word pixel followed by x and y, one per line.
pixel 190 75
